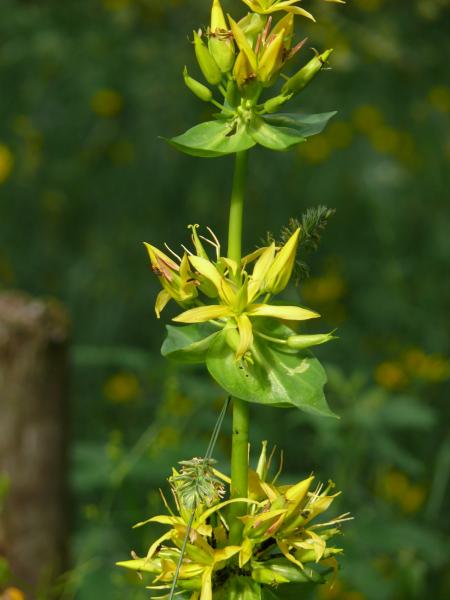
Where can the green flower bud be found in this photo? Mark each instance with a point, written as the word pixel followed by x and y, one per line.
pixel 302 78
pixel 197 88
pixel 222 50
pixel 273 104
pixel 301 342
pixel 220 45
pixel 206 62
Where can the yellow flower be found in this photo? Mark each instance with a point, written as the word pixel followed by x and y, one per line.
pixel 396 487
pixel 12 593
pixel 391 375
pixel 439 98
pixel 238 292
pixel 6 163
pixel 107 103
pixel 266 7
pixel 177 280
pixel 122 388
pixel 268 56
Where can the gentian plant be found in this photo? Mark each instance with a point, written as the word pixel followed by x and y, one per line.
pixel 245 537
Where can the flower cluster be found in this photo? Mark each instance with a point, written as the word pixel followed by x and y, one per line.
pixel 242 59
pixel 238 294
pixel 282 543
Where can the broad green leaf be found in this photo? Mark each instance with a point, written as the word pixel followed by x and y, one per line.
pixel 188 344
pixel 213 138
pixel 302 125
pixel 276 377
pixel 274 138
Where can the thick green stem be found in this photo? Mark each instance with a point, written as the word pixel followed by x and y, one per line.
pixel 237 207
pixel 239 451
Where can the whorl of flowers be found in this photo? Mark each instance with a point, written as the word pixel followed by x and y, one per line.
pixel 284 539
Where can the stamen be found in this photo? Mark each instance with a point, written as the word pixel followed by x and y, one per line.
pixel 258 44
pixel 266 30
pixel 215 238
pixel 187 250
pixel 297 48
pixel 172 252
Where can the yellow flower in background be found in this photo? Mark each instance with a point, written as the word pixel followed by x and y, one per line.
pixel 328 288
pixel 317 150
pixel 367 118
pixel 107 103
pixel 391 375
pixel 397 488
pixel 12 593
pixel 434 368
pixel 122 388
pixel 439 98
pixel 6 163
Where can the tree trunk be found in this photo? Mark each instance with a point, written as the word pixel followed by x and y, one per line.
pixel 33 436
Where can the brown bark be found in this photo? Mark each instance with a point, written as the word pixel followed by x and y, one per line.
pixel 33 436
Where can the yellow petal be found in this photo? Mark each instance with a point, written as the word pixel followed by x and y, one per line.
pixel 296 10
pixel 243 43
pixel 154 547
pixel 297 492
pixel 271 59
pixel 245 335
pixel 225 553
pixel 201 314
pixel 157 257
pixel 210 271
pixel 246 552
pixel 206 593
pixel 260 270
pixel 161 300
pixel 163 519
pixel 242 69
pixel 287 313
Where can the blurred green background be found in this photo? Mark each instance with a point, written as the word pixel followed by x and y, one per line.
pixel 87 86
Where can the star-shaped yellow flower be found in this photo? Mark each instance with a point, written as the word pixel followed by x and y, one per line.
pixel 238 292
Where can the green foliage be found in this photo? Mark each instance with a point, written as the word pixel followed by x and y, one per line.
pixel 276 377
pixel 276 132
pixel 85 190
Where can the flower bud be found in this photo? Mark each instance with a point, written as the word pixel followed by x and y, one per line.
pixel 177 281
pixel 197 88
pixel 285 24
pixel 301 342
pixel 302 78
pixel 273 104
pixel 272 58
pixel 220 46
pixel 243 72
pixel 280 272
pixel 206 62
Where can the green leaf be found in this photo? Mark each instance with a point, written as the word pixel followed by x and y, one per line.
pixel 276 378
pixel 301 125
pixel 190 343
pixel 274 138
pixel 213 138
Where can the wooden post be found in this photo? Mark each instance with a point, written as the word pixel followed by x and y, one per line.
pixel 33 438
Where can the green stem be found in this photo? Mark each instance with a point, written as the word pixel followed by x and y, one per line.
pixel 239 450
